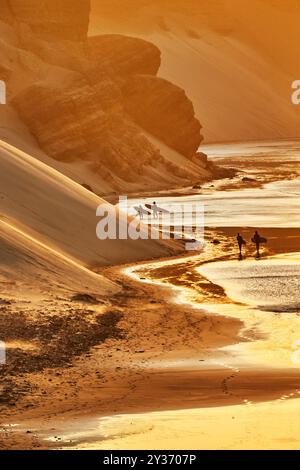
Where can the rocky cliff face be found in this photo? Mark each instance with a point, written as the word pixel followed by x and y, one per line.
pixel 87 123
pixel 99 101
pixel 124 55
pixel 164 110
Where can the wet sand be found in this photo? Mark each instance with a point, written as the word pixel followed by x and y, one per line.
pixel 233 402
pixel 124 371
pixel 267 426
pixel 168 354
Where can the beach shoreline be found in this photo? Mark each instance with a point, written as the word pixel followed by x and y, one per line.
pixel 164 340
pixel 152 344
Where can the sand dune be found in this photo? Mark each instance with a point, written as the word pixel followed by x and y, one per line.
pixel 16 133
pixel 235 60
pixel 29 265
pixel 56 221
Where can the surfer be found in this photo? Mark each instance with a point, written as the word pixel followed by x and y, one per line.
pixel 241 242
pixel 257 240
pixel 140 212
pixel 155 210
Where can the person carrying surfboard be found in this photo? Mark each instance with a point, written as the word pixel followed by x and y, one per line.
pixel 140 212
pixel 155 210
pixel 241 242
pixel 258 240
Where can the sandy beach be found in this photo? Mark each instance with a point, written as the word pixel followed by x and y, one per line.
pixel 176 345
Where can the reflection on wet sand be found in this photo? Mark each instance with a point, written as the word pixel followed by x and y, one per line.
pixel 258 367
pixel 230 382
pixel 270 425
pixel 269 291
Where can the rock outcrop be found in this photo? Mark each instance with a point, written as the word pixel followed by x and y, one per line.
pixel 164 110
pixel 124 55
pixel 97 101
pixel 86 123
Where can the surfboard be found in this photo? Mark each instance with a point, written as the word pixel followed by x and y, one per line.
pixel 261 240
pixel 144 211
pixel 159 209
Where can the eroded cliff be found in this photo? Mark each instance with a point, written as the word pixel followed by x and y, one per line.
pixel 96 105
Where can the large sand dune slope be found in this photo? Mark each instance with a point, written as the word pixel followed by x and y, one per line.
pixel 29 266
pixel 48 226
pixel 235 59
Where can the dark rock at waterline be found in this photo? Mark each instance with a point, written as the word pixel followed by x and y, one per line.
pixel 86 298
pixel 247 179
pixel 221 173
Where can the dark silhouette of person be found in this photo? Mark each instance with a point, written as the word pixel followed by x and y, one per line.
pixel 241 242
pixel 256 239
pixel 155 210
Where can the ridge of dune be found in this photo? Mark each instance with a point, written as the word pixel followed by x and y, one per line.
pixel 30 265
pixel 235 60
pixel 61 214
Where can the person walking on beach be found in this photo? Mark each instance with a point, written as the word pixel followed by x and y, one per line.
pixel 241 242
pixel 155 210
pixel 141 212
pixel 257 240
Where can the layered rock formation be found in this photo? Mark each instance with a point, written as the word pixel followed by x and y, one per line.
pixel 98 102
pixel 87 124
pixel 164 110
pixel 124 55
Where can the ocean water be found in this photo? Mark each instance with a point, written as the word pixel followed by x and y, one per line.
pixel 267 284
pixel 274 205
pixel 265 295
pixel 282 150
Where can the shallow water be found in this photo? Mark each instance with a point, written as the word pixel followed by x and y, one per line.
pixel 269 292
pixel 271 425
pixel 270 311
pixel 279 150
pixel 273 205
pixel 268 284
